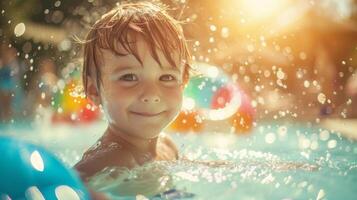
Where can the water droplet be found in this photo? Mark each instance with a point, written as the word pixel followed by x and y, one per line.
pixel 320 195
pixel 211 39
pixel 197 43
pixel 213 28
pixel 270 138
pixel 302 56
pixel 331 144
pixel 65 45
pixel 57 3
pixel 349 101
pixel 280 74
pixel 321 98
pixel 250 48
pixel 19 29
pixel 225 32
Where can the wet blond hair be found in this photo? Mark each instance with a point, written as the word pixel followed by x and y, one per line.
pixel 147 20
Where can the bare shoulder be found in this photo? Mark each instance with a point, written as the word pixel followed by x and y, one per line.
pixel 105 156
pixel 169 144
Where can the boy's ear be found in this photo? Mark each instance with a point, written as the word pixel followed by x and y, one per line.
pixel 92 91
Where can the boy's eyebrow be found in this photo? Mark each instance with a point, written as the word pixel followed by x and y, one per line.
pixel 171 69
pixel 118 68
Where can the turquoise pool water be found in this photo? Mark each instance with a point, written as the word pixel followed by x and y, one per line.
pixel 276 161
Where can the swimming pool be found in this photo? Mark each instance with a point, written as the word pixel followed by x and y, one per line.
pixel 278 160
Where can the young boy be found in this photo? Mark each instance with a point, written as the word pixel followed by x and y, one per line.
pixel 136 63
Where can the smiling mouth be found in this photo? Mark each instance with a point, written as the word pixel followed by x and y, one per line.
pixel 146 114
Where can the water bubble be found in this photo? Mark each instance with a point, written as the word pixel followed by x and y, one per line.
pixel 73 116
pixel 320 195
pixel 213 28
pixel 60 110
pixel 225 32
pixel 19 29
pixel 321 98
pixel 211 39
pixel 331 144
pixel 270 138
pixel 304 143
pixel 57 3
pixel 43 95
pixel 57 17
pixel 302 55
pixel 282 130
pixel 65 45
pixel 250 48
pixel 306 83
pixel 280 74
pixel 257 88
pixel 299 74
pixel 197 43
pixel 266 73
pixel 314 145
pixel 349 101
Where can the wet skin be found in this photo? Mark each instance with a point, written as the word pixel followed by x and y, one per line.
pixel 139 100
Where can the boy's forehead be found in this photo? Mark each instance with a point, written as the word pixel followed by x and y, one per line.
pixel 123 56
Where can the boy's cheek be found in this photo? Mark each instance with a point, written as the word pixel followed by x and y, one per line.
pixel 112 113
pixel 177 102
pixel 175 96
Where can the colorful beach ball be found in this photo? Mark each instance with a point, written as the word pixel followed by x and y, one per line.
pixel 201 88
pixel 243 115
pixel 187 121
pixel 73 107
pixel 28 171
pixel 213 96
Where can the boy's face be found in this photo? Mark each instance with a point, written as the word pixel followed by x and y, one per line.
pixel 140 100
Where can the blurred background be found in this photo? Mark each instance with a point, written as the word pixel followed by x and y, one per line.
pixel 292 59
pixel 279 75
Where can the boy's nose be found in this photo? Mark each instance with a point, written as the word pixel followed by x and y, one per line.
pixel 150 99
pixel 150 93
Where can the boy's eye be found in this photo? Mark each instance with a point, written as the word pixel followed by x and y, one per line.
pixel 129 77
pixel 167 77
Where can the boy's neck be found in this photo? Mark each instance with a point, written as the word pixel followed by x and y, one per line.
pixel 139 145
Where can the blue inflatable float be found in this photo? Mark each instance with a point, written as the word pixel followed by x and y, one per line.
pixel 28 171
